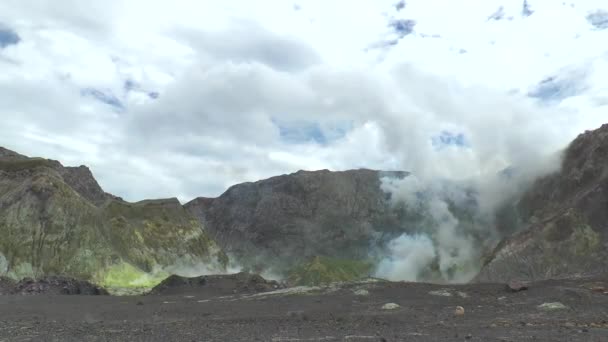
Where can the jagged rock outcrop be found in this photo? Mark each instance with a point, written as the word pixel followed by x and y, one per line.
pixel 58 221
pixel 53 285
pixel 565 217
pixel 215 285
pixel 282 221
pixel 82 181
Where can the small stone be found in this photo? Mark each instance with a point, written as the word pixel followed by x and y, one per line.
pixel 462 294
pixel 390 306
pixel 468 337
pixel 140 303
pixel 552 306
pixel 441 293
pixel 516 286
pixel 570 324
pixel 298 314
pixel 459 311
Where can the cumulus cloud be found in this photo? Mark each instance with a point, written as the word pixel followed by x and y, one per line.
pixel 244 91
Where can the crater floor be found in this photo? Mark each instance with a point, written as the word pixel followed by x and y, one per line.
pixel 557 310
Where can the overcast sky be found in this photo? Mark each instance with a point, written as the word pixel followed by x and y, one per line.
pixel 185 98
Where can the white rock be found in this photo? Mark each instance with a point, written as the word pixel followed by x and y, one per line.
pixel 390 306
pixel 361 292
pixel 552 306
pixel 441 293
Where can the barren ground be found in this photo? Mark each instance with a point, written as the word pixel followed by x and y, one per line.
pixel 339 313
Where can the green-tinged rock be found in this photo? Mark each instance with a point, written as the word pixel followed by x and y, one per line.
pixel 58 221
pixel 585 240
pixel 323 270
pixel 124 278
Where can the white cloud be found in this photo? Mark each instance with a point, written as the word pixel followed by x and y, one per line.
pixel 228 74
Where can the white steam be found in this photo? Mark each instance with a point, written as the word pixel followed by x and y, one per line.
pixel 409 255
pixel 437 242
pixel 462 145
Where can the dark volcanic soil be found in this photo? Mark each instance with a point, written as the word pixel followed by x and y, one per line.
pixel 353 312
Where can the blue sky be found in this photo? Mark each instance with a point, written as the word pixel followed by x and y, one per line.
pixel 8 37
pixel 194 97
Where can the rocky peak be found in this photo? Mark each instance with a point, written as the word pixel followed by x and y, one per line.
pixel 82 181
pixel 565 218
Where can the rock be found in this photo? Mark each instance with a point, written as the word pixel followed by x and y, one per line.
pixel 552 306
pixel 390 306
pixel 298 314
pixel 441 293
pixel 361 292
pixel 6 284
pixel 56 286
pixel 462 294
pixel 459 311
pixel 215 285
pixel 516 286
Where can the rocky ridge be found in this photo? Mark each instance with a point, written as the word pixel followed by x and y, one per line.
pixel 565 219
pixel 58 221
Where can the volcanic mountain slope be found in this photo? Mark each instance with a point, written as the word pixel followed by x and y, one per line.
pixel 58 220
pixel 291 218
pixel 566 219
pixel 286 220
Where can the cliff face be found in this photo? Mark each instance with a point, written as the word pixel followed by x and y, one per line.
pixel 58 220
pixel 565 217
pixel 291 218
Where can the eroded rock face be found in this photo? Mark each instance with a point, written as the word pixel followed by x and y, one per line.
pixel 566 219
pixel 288 219
pixel 57 220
